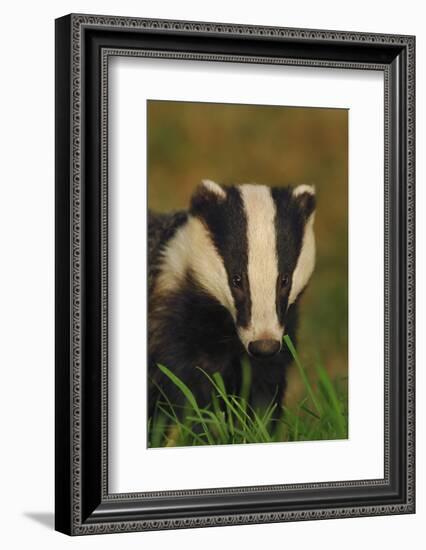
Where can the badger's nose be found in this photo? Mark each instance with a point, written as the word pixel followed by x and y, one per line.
pixel 264 348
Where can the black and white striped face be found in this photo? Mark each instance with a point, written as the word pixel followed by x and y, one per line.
pixel 253 248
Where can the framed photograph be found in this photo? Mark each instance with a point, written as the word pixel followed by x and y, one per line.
pixel 234 274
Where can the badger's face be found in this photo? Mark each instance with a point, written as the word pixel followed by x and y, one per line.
pixel 252 248
pixel 258 253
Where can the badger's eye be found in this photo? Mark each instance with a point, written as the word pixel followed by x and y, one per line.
pixel 285 280
pixel 237 281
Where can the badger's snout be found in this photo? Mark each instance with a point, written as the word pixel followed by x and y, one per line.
pixel 264 348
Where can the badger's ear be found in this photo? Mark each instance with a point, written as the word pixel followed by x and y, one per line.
pixel 304 196
pixel 207 192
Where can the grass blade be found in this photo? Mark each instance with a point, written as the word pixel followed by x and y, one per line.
pixel 189 396
pixel 335 403
pixel 302 373
pixel 183 426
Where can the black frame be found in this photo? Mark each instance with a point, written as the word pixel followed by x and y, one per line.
pixel 83 46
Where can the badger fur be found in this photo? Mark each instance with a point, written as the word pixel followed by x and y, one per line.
pixel 224 282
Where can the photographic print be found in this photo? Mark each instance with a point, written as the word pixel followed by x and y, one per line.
pixel 234 274
pixel 247 273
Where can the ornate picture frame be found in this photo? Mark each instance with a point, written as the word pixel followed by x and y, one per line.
pixel 84 45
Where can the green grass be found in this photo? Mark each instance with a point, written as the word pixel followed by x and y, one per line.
pixel 321 414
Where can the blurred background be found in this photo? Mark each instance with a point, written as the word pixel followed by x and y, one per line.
pixel 277 146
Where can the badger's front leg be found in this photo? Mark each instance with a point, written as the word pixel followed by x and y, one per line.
pixel 269 383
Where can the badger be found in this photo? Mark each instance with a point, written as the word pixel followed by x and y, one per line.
pixel 224 282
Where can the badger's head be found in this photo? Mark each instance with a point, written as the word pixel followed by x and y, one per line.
pixel 252 248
